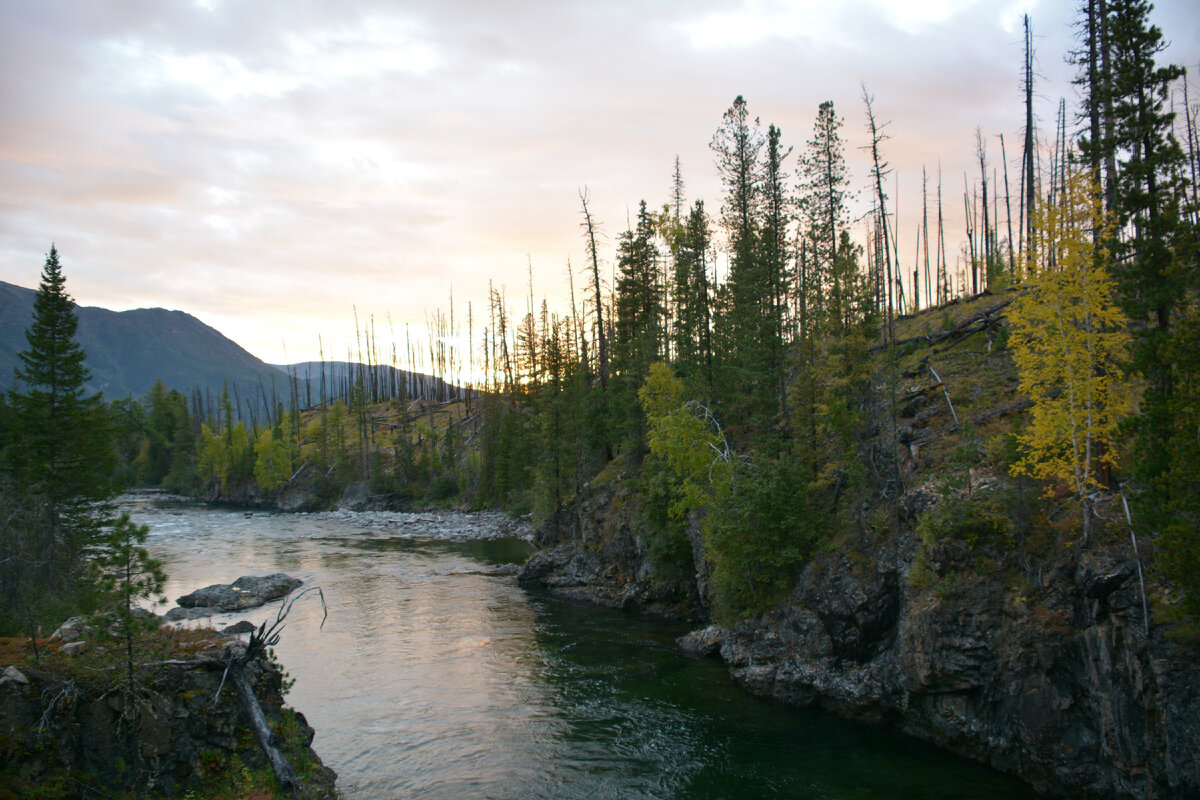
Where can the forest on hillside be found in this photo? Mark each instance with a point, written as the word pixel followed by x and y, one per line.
pixel 766 402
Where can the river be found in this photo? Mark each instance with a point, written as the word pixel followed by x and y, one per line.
pixel 435 675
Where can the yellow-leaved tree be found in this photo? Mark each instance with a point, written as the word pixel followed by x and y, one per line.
pixel 1068 340
pixel 685 436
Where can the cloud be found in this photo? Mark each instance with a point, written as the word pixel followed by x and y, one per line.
pixel 272 166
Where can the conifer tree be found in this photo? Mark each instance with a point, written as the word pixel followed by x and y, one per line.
pixel 756 217
pixel 59 455
pixel 1158 271
pixel 692 294
pixel 639 317
pixel 823 190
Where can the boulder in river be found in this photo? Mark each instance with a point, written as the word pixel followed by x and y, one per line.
pixel 248 591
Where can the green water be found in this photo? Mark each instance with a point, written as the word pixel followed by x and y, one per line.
pixel 631 692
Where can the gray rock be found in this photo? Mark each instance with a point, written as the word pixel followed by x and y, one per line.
pixel 176 614
pixel 244 626
pixel 73 649
pixel 248 591
pixel 703 642
pixel 70 631
pixel 297 498
pixel 15 676
pixel 359 497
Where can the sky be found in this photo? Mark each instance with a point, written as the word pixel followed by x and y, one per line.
pixel 283 168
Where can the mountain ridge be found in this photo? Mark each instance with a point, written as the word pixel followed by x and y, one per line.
pixel 128 350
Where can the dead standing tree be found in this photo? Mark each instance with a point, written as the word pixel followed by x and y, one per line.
pixel 878 170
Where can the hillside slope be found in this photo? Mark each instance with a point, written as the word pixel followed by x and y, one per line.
pixel 963 610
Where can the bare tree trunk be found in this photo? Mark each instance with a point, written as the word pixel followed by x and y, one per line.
pixel 943 281
pixel 925 235
pixel 969 216
pixel 1028 177
pixel 1106 121
pixel 598 298
pixel 878 172
pixel 1012 265
pixel 981 152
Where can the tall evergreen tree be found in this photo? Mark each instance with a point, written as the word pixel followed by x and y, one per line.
pixel 1157 274
pixel 692 293
pixel 639 318
pixel 738 145
pixel 774 277
pixel 756 219
pixel 823 190
pixel 59 454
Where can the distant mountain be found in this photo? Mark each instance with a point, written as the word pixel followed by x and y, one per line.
pixel 128 350
pixel 333 379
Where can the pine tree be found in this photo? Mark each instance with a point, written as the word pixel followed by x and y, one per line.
pixel 823 190
pixel 59 455
pixel 692 293
pixel 639 318
pixel 1158 276
pixel 756 217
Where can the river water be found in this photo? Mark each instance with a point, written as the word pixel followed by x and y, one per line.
pixel 435 675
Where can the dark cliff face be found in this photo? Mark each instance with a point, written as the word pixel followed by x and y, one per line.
pixel 1063 688
pixel 595 550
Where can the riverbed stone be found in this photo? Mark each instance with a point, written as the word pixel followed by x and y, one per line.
pixel 248 591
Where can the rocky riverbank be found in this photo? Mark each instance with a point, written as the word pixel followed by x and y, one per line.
pixel 72 727
pixel 1054 681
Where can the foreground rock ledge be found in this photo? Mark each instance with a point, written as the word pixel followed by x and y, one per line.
pixel 168 738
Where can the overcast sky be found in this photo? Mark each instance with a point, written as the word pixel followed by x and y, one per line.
pixel 273 166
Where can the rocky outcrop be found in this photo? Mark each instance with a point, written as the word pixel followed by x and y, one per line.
pixel 179 730
pixel 248 591
pixel 1056 682
pixel 1068 694
pixel 600 555
pixel 359 497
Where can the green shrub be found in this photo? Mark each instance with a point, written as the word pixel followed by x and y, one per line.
pixel 762 534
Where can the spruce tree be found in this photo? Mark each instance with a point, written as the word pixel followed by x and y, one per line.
pixel 823 190
pixel 1158 273
pixel 59 454
pixel 692 294
pixel 756 217
pixel 639 317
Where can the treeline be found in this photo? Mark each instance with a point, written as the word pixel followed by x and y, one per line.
pixel 762 403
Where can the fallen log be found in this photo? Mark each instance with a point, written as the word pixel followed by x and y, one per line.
pixel 972 324
pixel 262 730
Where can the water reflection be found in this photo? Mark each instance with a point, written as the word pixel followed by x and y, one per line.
pixel 432 679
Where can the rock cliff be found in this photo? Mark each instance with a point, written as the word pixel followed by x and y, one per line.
pixel 1055 681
